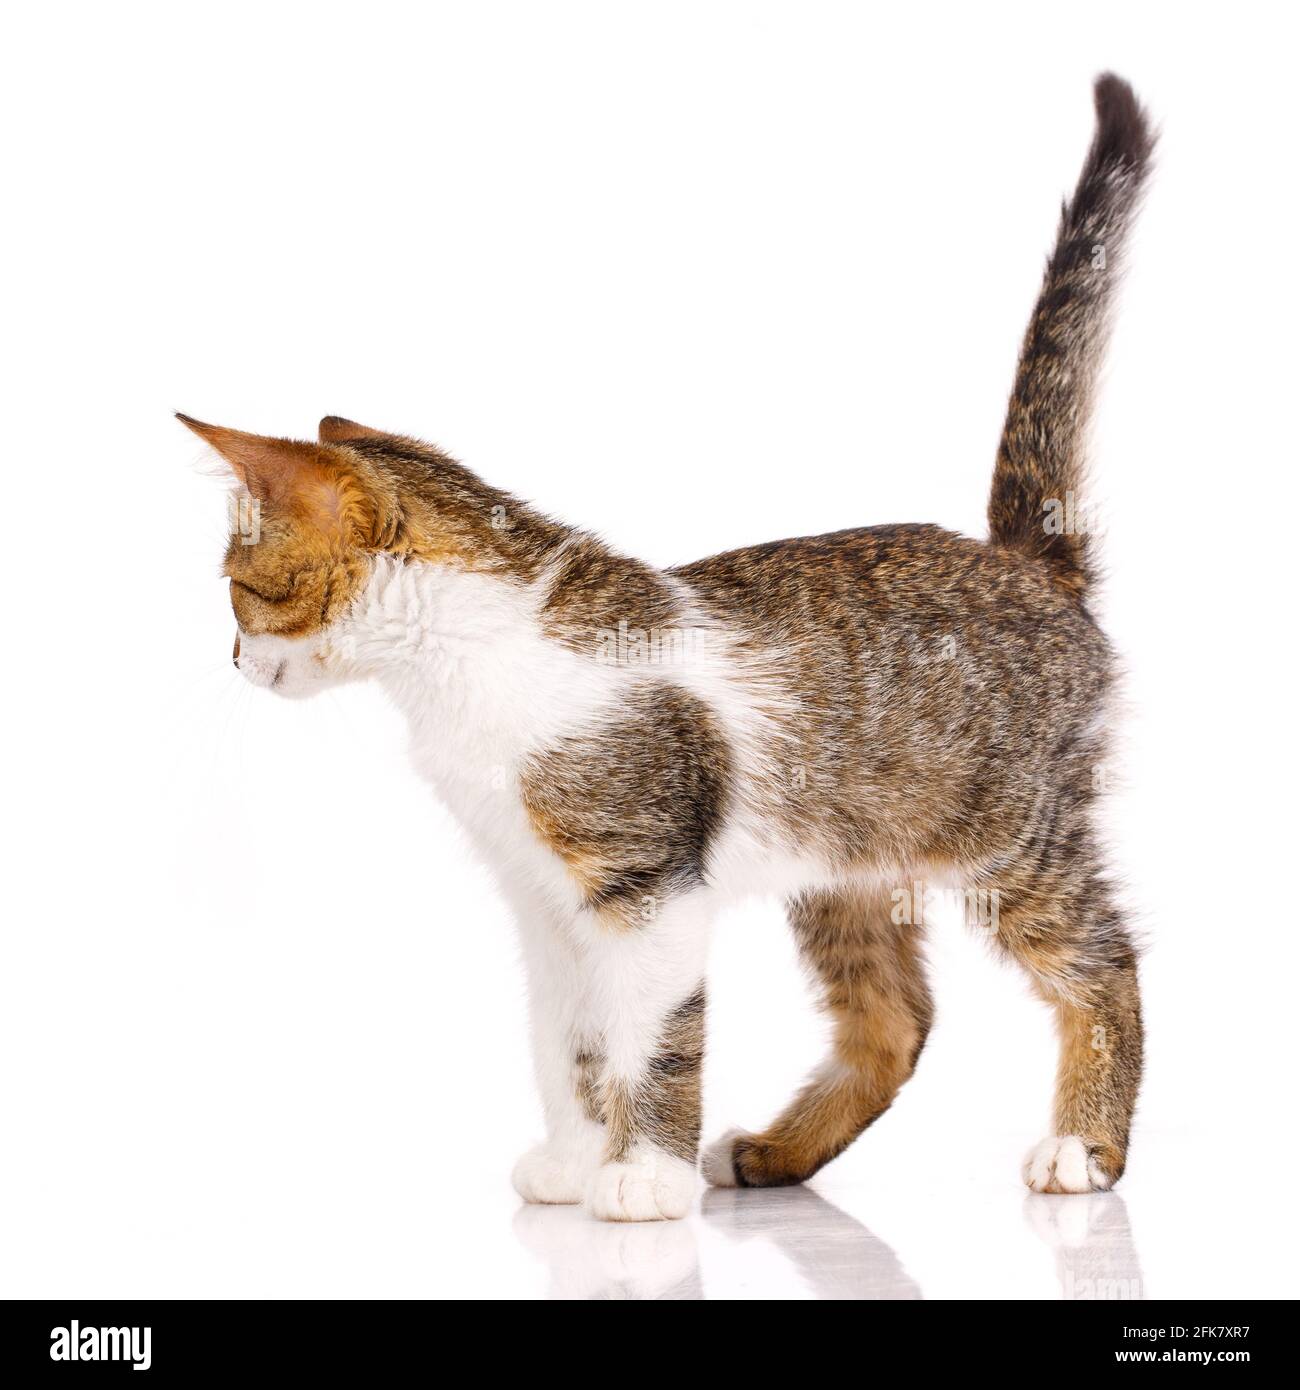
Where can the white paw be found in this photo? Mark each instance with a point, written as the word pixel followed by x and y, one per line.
pixel 716 1164
pixel 1062 1164
pixel 649 1186
pixel 551 1176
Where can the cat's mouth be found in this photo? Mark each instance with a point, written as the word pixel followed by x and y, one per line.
pixel 259 671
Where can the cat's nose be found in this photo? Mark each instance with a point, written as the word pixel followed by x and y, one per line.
pixel 235 658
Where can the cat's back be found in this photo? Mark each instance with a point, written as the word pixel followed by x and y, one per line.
pixel 923 684
pixel 874 576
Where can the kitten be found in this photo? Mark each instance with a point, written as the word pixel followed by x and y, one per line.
pixel 834 718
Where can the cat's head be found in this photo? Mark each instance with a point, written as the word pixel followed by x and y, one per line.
pixel 312 520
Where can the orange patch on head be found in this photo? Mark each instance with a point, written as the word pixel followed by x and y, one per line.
pixel 319 483
pixel 317 513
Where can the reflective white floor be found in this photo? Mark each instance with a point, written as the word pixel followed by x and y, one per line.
pixel 831 1253
pixel 898 1220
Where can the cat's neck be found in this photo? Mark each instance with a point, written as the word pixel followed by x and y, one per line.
pixel 485 666
pixel 432 633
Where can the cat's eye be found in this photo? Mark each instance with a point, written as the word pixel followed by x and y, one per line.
pixel 255 593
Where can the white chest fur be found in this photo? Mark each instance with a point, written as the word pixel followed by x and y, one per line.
pixel 464 656
pixel 484 688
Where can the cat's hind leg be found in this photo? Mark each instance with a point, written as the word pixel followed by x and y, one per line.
pixel 873 976
pixel 1057 916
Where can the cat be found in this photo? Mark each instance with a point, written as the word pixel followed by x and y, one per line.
pixel 825 718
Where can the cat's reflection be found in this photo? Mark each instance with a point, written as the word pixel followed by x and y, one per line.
pixel 837 1257
pixel 1093 1242
pixel 610 1259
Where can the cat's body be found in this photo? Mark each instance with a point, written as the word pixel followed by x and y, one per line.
pixel 835 719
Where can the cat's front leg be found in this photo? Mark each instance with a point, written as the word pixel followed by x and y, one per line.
pixel 647 992
pixel 565 1058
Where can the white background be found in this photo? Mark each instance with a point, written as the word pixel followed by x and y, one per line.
pixel 695 276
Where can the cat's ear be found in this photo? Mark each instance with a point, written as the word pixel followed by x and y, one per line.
pixel 314 481
pixel 269 468
pixel 335 429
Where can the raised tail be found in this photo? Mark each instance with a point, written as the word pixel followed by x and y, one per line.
pixel 1035 505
